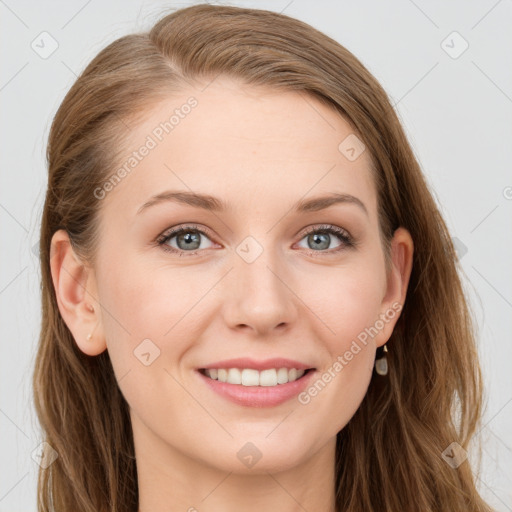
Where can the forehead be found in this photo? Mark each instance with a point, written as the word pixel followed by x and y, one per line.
pixel 248 145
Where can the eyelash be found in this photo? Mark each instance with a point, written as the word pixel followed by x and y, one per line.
pixel 341 234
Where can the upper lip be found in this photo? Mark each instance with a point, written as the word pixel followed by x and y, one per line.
pixel 245 362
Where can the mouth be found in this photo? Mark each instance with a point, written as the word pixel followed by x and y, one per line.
pixel 249 387
pixel 253 378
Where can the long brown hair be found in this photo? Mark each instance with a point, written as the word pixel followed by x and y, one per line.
pixel 389 456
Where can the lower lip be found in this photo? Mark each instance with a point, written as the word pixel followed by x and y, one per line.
pixel 259 396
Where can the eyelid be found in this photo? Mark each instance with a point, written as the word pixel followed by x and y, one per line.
pixel 325 227
pixel 184 227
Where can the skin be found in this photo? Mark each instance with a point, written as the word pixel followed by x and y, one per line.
pixel 260 151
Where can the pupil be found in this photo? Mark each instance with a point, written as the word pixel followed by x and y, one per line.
pixel 318 242
pixel 190 239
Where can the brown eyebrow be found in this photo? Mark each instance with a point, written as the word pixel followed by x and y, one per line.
pixel 214 204
pixel 320 203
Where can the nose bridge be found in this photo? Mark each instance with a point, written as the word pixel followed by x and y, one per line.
pixel 261 298
pixel 258 267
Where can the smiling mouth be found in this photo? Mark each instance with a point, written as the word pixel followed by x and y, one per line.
pixel 254 378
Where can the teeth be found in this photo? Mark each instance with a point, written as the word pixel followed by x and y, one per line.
pixel 234 376
pixel 250 377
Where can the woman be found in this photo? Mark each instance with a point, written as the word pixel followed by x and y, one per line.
pixel 250 298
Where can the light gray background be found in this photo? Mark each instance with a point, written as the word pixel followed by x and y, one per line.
pixel 457 114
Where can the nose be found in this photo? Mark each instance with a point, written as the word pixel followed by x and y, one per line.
pixel 259 295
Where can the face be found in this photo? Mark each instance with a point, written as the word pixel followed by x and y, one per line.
pixel 259 278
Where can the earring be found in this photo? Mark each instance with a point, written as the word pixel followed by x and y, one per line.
pixel 381 365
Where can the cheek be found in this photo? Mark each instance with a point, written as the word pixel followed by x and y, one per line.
pixel 347 330
pixel 156 306
pixel 351 348
pixel 347 301
pixel 145 335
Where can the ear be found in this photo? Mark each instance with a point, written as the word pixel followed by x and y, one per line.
pixel 402 249
pixel 75 289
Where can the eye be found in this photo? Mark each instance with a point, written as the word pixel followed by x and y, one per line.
pixel 188 240
pixel 320 237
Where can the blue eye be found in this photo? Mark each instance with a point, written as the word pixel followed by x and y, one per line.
pixel 320 236
pixel 188 239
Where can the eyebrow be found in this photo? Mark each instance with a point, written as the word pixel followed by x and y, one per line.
pixel 214 204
